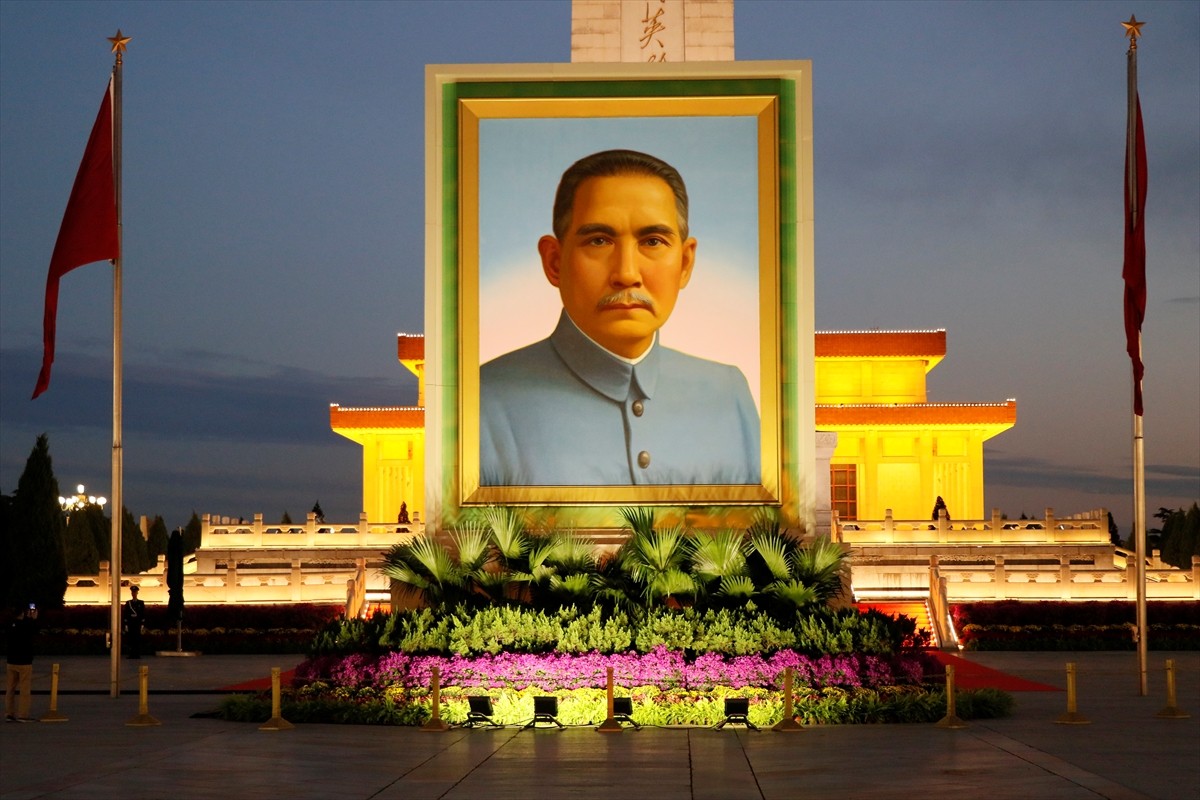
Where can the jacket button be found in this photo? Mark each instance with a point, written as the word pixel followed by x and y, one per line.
pixel 639 408
pixel 643 459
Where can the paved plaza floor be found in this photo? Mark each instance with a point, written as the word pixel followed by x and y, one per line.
pixel 1126 751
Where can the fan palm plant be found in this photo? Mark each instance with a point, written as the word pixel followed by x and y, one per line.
pixel 795 575
pixel 718 563
pixel 655 560
pixel 509 535
pixel 426 566
pixel 822 565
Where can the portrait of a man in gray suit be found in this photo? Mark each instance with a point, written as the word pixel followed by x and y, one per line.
pixel 600 401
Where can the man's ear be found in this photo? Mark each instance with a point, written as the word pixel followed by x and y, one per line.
pixel 688 261
pixel 551 252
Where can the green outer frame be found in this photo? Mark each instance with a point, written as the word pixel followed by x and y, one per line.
pixel 789 371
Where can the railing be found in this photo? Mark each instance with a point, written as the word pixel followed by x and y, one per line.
pixel 997 559
pixel 309 534
pixel 1079 529
pixel 255 562
pixel 240 583
pixel 939 607
pixel 356 591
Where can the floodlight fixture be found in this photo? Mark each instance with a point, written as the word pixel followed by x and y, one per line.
pixel 623 711
pixel 479 712
pixel 737 710
pixel 545 709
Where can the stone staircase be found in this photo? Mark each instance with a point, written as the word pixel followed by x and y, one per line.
pixel 916 610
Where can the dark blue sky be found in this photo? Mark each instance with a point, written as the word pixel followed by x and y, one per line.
pixel 968 163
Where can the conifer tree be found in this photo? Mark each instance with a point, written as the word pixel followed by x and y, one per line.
pixel 79 543
pixel 191 534
pixel 34 562
pixel 156 542
pixel 133 546
pixel 6 555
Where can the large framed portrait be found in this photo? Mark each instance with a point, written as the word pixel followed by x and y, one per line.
pixel 619 288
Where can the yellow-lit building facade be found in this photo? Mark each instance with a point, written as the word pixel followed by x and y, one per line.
pixel 895 450
pixel 393 444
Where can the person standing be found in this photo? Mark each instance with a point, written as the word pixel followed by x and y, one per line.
pixel 19 670
pixel 939 506
pixel 134 615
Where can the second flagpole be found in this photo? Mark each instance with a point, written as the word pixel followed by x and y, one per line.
pixel 119 44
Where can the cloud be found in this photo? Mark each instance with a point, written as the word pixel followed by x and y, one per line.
pixel 1166 480
pixel 192 394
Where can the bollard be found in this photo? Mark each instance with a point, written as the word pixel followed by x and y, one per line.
pixel 143 718
pixel 788 723
pixel 1072 717
pixel 610 724
pixel 951 720
pixel 276 722
pixel 52 715
pixel 435 723
pixel 1172 711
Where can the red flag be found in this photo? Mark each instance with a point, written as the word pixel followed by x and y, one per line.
pixel 1134 270
pixel 89 226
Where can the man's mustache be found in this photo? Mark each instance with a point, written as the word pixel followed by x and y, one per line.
pixel 626 297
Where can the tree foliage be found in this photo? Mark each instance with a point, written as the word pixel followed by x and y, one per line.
pixel 156 541
pixel 191 534
pixel 34 564
pixel 1180 537
pixel 134 557
pixel 81 543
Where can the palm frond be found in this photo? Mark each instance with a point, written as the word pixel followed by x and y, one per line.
pixel 493 584
pixel 773 549
pixel 661 550
pixel 671 583
pixel 793 592
pixel 766 521
pixel 430 558
pixel 573 553
pixel 736 587
pixel 473 544
pixel 821 564
pixel 577 586
pixel 508 531
pixel 640 519
pixel 541 551
pixel 718 555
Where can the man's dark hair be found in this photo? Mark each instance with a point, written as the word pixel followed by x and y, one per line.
pixel 607 164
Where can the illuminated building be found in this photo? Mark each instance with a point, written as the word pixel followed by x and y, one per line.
pixel 894 449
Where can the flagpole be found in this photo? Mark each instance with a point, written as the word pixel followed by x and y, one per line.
pixel 119 43
pixel 1133 30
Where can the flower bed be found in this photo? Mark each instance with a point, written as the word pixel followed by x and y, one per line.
pixel 661 668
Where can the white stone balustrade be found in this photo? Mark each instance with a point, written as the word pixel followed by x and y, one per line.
pixel 255 562
pixel 998 559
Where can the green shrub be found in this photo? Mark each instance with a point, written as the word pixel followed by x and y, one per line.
pixel 730 631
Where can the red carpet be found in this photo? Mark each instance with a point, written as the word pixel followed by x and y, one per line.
pixel 969 675
pixel 261 684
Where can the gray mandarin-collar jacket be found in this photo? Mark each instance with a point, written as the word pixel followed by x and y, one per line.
pixel 566 412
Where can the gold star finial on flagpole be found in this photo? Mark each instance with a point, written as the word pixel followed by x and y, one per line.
pixel 1133 29
pixel 119 43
